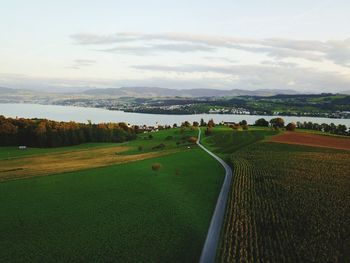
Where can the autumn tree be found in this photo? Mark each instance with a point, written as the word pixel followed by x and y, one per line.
pixel 211 123
pixel 47 133
pixel 291 126
pixel 277 122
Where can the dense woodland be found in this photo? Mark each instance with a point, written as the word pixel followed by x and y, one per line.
pixel 47 133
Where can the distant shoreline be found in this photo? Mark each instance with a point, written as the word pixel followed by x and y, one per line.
pixel 174 113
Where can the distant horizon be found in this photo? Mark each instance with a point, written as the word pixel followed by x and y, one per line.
pixel 82 89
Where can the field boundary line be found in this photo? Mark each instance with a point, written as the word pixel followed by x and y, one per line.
pixel 210 247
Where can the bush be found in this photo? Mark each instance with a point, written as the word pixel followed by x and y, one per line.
pixel 156 166
pixel 140 148
pixel 192 140
pixel 150 136
pixel 235 127
pixel 159 146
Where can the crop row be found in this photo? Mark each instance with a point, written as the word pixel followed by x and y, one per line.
pixel 287 204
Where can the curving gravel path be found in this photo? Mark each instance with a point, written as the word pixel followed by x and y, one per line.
pixel 213 235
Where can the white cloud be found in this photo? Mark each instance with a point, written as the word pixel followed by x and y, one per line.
pixel 249 77
pixel 337 51
pixel 153 49
pixel 266 76
pixel 79 63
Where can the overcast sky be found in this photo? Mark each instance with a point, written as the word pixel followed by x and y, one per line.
pixel 254 44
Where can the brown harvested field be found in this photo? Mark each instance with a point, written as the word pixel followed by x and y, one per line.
pixel 68 161
pixel 312 140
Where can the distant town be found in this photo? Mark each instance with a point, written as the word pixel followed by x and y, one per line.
pixel 165 101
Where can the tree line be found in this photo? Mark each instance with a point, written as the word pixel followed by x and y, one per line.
pixel 339 129
pixel 279 123
pixel 48 133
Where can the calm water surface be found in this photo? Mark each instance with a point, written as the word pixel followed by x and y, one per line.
pixel 80 114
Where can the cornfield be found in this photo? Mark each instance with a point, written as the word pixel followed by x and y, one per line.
pixel 288 204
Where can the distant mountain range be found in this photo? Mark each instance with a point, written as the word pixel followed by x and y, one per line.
pixel 154 92
pixel 164 92
pixel 7 90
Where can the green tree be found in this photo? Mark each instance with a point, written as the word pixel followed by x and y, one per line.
pixel 262 122
pixel 243 123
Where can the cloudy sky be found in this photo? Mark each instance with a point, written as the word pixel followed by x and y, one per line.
pixel 76 44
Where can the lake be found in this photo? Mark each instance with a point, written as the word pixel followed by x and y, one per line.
pixel 80 114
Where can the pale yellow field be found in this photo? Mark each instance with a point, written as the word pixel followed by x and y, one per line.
pixel 68 161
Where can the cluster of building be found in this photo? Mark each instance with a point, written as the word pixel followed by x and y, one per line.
pixel 239 111
pixel 333 115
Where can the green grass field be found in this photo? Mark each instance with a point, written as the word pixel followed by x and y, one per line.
pixel 289 203
pixel 12 152
pixel 225 141
pixel 123 213
pixel 176 135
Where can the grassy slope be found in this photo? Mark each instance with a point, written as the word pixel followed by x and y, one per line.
pixel 12 152
pixel 289 202
pixel 225 141
pixel 123 212
pixel 31 162
pixel 162 137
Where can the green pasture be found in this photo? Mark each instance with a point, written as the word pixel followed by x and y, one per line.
pixel 119 213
